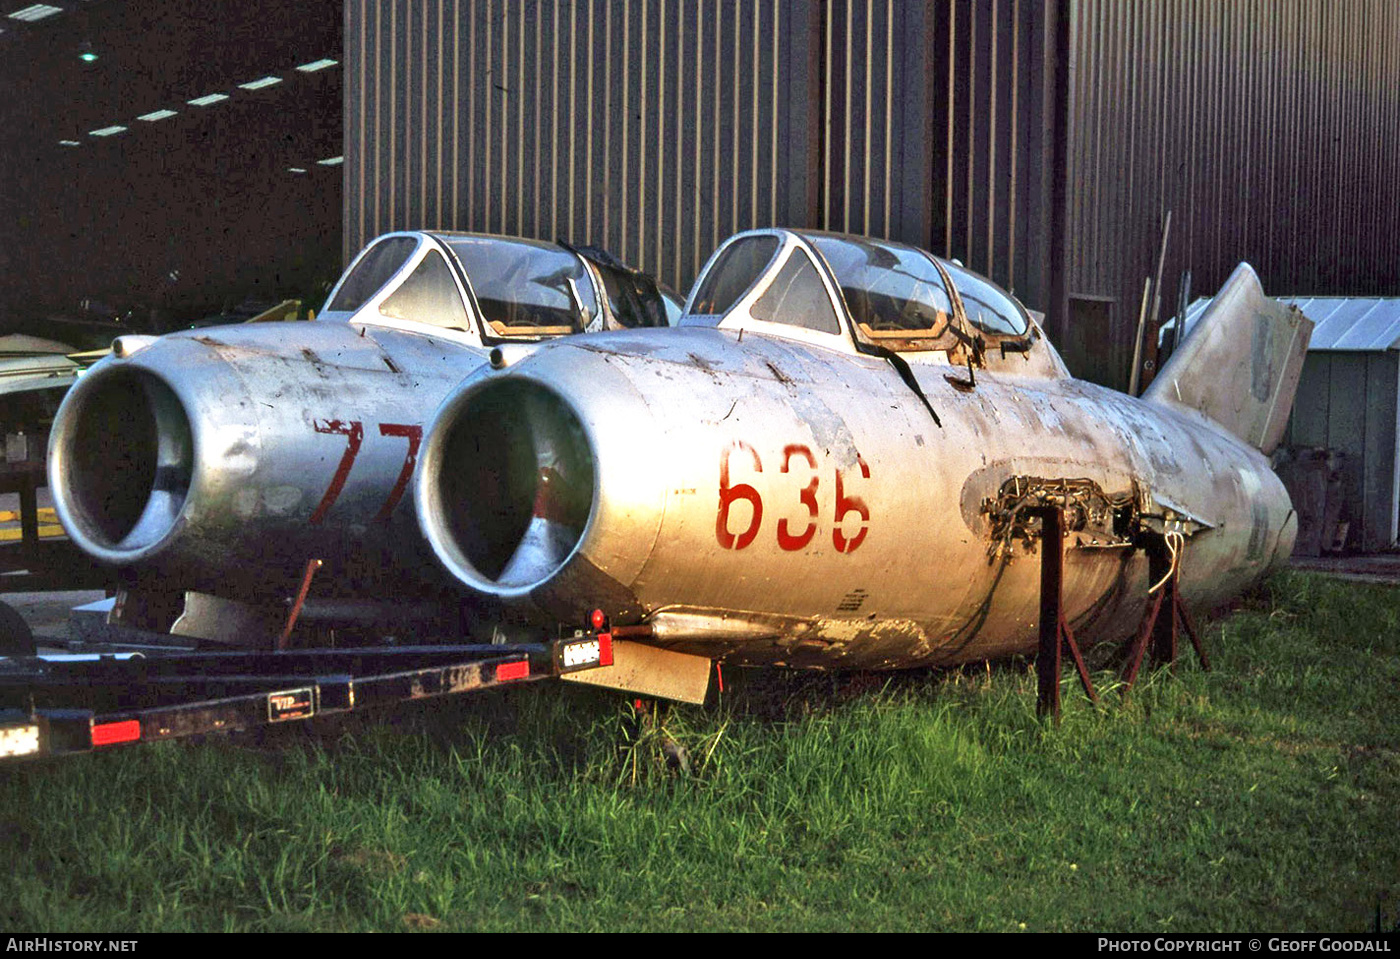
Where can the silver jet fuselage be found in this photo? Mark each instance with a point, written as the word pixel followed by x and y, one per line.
pixel 224 459
pixel 769 493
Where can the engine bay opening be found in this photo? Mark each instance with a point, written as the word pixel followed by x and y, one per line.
pixel 127 460
pixel 515 484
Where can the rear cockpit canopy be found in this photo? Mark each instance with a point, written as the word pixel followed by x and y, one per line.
pixel 489 289
pixel 860 295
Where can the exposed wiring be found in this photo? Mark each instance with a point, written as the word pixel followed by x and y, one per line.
pixel 1176 546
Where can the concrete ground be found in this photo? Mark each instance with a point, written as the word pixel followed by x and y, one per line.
pixel 10 501
pixel 1382 568
pixel 47 613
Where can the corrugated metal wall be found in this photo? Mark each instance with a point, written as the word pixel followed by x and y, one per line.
pixel 1267 127
pixel 659 127
pixel 654 128
pixel 993 112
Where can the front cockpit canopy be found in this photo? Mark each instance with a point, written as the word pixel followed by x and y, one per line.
pixel 494 288
pixel 891 295
pixel 370 272
pixel 527 288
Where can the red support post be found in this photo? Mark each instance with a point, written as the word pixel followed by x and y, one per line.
pixel 311 567
pixel 1164 569
pixel 1055 634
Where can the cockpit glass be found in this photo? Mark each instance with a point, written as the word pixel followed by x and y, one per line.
pixel 527 289
pixel 634 298
pixel 987 307
pixel 891 292
pixel 429 295
pixel 374 269
pixel 797 297
pixel 733 274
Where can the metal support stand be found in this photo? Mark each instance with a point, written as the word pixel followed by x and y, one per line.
pixel 29 517
pixel 311 567
pixel 1164 569
pixel 1055 634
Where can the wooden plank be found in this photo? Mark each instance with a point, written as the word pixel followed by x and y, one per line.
pixel 650 671
pixel 1378 476
pixel 1346 431
pixel 1310 406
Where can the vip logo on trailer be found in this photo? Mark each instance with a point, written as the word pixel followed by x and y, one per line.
pixel 290 704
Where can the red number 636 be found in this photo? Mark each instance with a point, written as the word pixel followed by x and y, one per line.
pixel 729 493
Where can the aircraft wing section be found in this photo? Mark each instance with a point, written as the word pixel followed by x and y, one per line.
pixel 1241 363
pixel 22 374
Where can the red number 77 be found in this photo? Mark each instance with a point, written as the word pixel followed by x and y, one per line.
pixel 354 433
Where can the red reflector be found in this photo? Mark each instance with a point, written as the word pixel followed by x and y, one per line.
pixel 109 734
pixel 598 619
pixel 509 671
pixel 605 649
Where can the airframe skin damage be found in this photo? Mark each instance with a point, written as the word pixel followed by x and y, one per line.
pixel 219 461
pixel 835 462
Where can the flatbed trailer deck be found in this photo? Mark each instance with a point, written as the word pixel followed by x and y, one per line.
pixel 52 705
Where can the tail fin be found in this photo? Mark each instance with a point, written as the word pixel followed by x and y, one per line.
pixel 1241 363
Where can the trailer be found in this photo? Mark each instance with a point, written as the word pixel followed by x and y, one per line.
pixel 62 704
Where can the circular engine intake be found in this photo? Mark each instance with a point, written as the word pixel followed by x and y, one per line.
pixel 121 461
pixel 509 486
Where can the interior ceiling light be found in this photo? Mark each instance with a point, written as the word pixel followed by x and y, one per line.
pixel 69 143
pixel 157 115
pixel 332 161
pixel 315 65
pixel 204 101
pixel 35 11
pixel 261 82
pixel 106 131
pixel 296 169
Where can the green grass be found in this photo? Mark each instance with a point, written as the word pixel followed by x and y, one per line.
pixel 1260 796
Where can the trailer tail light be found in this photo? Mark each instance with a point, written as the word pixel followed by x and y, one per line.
pixel 19 740
pixel 110 734
pixel 517 670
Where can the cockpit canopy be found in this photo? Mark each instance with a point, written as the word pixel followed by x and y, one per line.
pixel 890 295
pixel 494 288
pixel 526 288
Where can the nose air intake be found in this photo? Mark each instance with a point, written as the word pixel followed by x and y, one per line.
pixel 510 486
pixel 548 538
pixel 122 461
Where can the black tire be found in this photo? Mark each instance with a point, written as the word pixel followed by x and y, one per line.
pixel 16 638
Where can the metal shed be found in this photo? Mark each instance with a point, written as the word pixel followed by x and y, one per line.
pixel 1349 400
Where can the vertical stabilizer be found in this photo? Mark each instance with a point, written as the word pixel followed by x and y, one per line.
pixel 1240 364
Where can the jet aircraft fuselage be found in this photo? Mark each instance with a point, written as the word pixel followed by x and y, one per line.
pixel 837 461
pixel 222 460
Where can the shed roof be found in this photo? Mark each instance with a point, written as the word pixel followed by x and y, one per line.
pixel 1341 323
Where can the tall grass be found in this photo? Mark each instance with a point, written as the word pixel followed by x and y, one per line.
pixel 1259 796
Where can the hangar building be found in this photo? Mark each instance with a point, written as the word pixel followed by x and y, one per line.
pixel 1042 142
